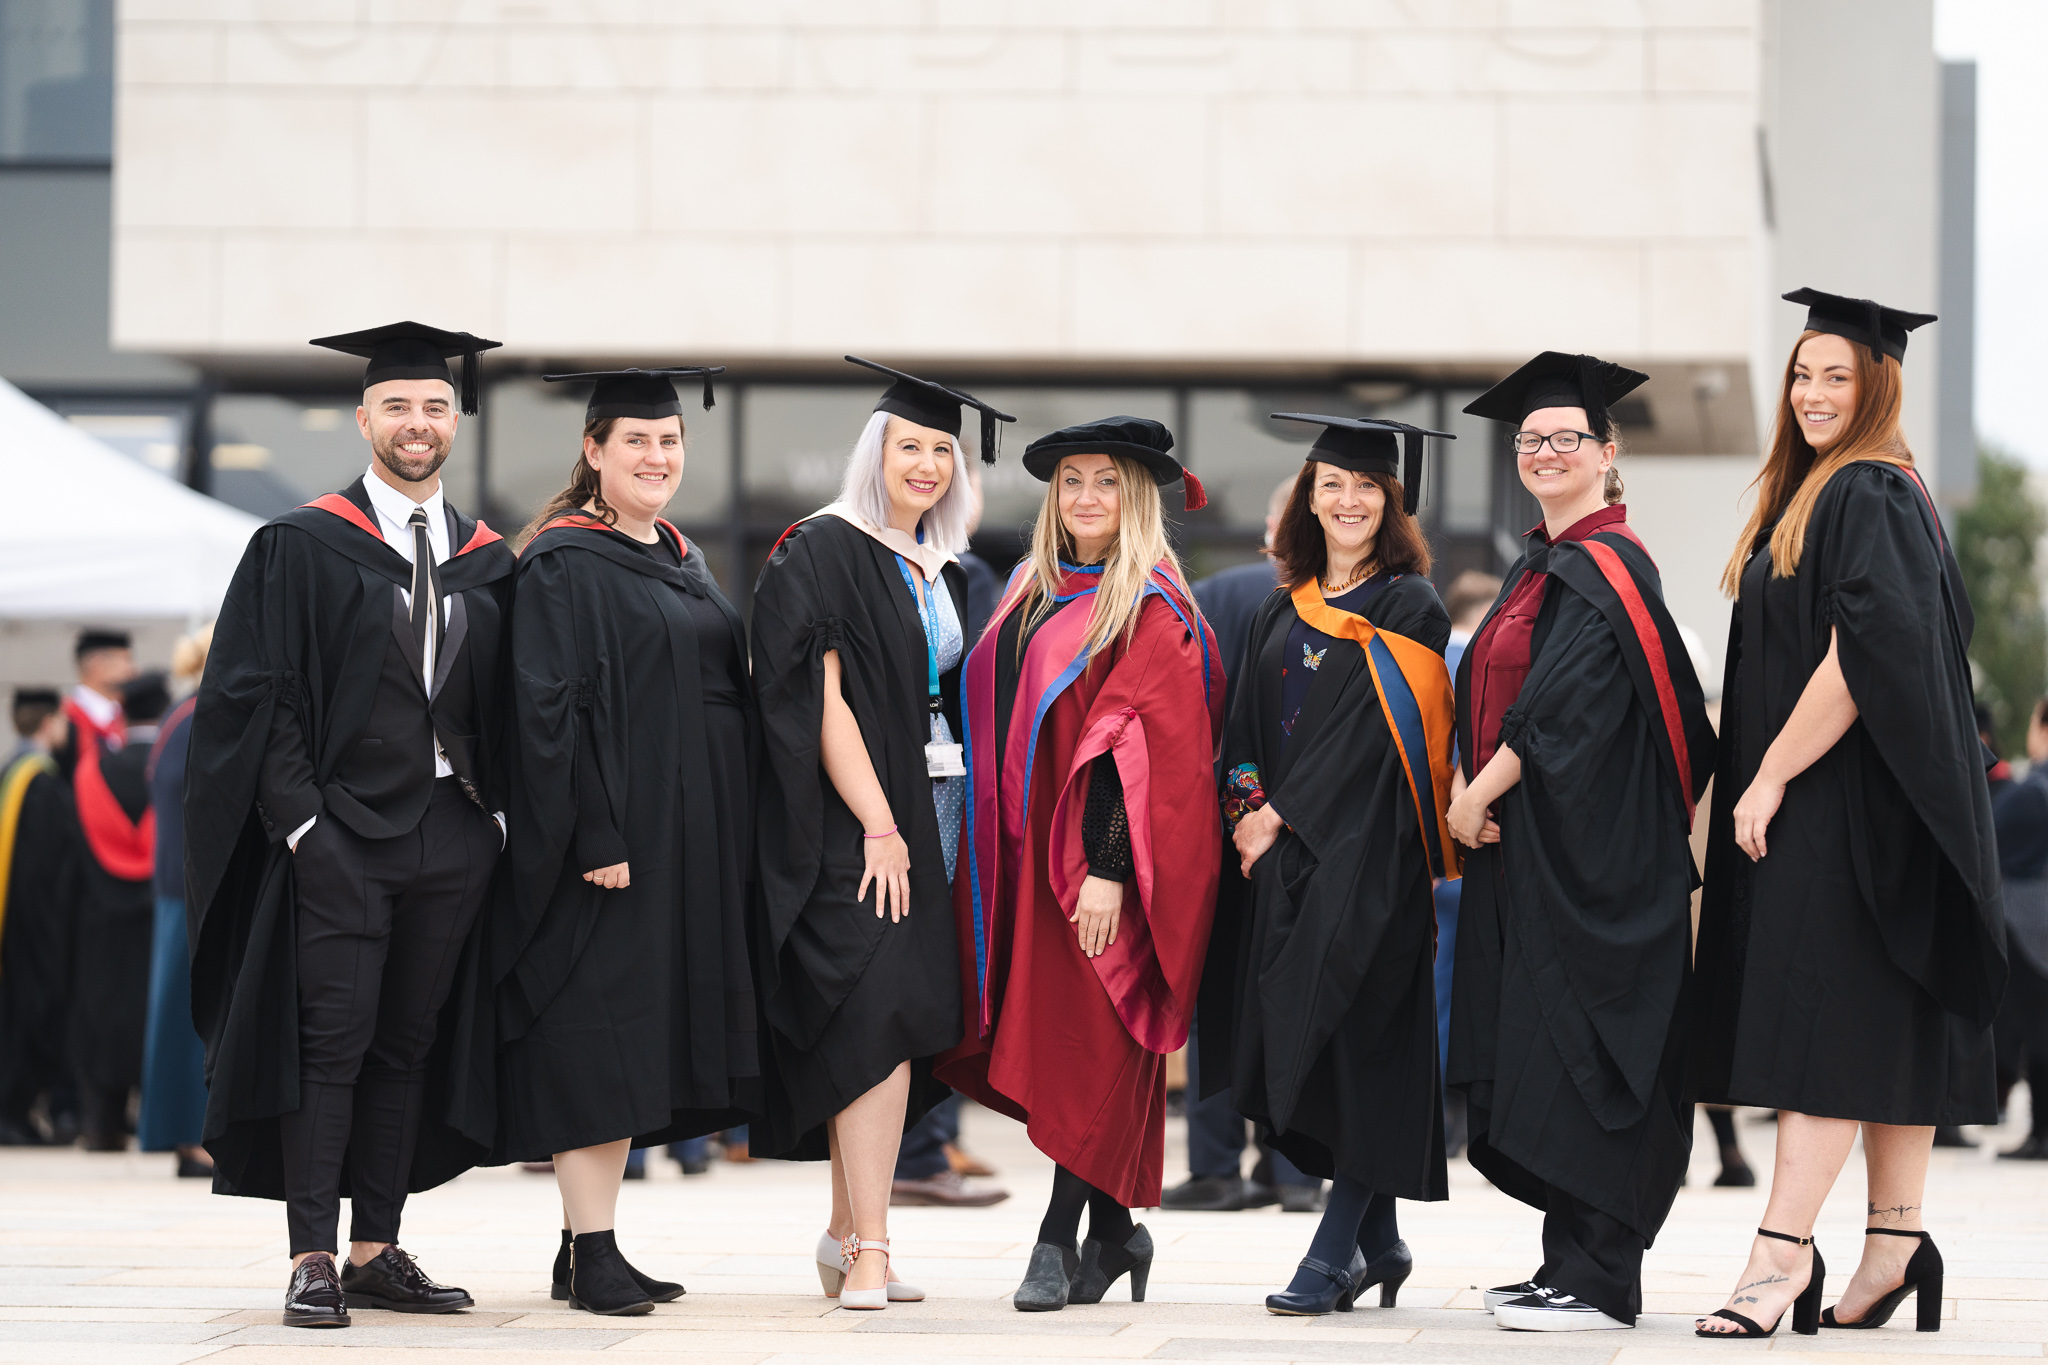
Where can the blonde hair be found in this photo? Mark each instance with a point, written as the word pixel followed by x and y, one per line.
pixel 1794 474
pixel 188 657
pixel 1140 546
pixel 945 522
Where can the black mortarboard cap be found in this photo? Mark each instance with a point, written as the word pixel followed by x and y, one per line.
pixel 638 393
pixel 1863 321
pixel 1139 438
pixel 1369 445
pixel 37 696
pixel 413 350
pixel 935 406
pixel 1557 379
pixel 92 639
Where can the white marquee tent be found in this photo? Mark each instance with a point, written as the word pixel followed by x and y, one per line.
pixel 92 535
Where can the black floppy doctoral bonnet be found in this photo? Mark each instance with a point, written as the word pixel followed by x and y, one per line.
pixel 1557 379
pixel 413 350
pixel 1138 438
pixel 1866 322
pixel 935 406
pixel 1367 445
pixel 638 393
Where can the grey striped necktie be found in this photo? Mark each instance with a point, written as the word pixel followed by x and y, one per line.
pixel 426 588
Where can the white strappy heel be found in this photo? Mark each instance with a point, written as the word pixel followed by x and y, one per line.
pixel 849 1252
pixel 833 1265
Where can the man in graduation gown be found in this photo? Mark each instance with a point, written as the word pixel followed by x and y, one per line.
pixel 117 915
pixel 1568 1027
pixel 341 831
pixel 39 894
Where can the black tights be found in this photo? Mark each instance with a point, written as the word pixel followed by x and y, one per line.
pixel 1355 1217
pixel 1108 1221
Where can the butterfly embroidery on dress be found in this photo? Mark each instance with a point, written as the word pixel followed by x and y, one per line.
pixel 1313 658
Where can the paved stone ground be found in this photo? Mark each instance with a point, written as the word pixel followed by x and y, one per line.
pixel 108 1260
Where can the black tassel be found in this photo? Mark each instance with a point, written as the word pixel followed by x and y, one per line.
pixel 1595 396
pixel 1411 471
pixel 988 437
pixel 710 400
pixel 1876 311
pixel 470 380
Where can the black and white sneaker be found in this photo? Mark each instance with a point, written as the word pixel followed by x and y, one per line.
pixel 1550 1310
pixel 1494 1298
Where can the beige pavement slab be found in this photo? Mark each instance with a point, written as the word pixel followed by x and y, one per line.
pixel 107 1259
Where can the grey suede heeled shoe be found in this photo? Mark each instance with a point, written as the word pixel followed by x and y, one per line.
pixel 1048 1279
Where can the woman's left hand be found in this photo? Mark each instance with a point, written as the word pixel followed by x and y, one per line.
pixel 1254 835
pixel 1095 917
pixel 1469 822
pixel 1753 816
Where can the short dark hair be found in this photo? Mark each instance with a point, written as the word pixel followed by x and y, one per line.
pixel 1300 552
pixel 1468 590
pixel 33 706
pixel 92 640
pixel 146 697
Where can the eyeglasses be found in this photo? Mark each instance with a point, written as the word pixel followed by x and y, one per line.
pixel 1563 442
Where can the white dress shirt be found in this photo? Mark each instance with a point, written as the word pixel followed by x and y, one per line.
pixel 103 710
pixel 394 521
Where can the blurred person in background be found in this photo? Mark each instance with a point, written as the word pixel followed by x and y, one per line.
pixel 1337 760
pixel 859 632
pixel 343 816
pixel 624 1000
pixel 173 1058
pixel 41 889
pixel 1471 594
pixel 1584 745
pixel 931 1166
pixel 110 1000
pixel 1217 1133
pixel 2020 810
pixel 106 661
pixel 1095 699
pixel 1852 947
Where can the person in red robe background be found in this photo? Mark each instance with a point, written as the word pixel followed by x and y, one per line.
pixel 1094 703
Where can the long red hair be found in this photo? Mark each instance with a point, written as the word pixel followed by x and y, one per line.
pixel 1794 473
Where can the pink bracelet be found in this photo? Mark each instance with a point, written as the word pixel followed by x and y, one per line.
pixel 883 835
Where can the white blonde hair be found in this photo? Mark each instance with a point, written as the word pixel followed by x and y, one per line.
pixel 945 522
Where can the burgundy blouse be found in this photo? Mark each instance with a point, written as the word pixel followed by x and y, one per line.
pixel 1500 652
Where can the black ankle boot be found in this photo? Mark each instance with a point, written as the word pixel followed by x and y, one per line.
pixel 1048 1280
pixel 600 1281
pixel 660 1291
pixel 1102 1266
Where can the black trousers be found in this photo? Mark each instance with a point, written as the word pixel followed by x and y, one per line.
pixel 381 926
pixel 1592 1256
pixel 2022 1034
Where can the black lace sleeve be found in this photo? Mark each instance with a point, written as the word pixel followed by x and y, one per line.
pixel 1105 830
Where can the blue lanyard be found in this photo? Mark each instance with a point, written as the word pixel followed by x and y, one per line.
pixel 927 615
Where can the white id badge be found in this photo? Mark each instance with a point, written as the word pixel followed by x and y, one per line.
pixel 944 760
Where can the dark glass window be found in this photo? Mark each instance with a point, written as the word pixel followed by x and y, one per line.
pixel 56 80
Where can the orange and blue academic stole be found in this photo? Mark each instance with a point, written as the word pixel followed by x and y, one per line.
pixel 1415 692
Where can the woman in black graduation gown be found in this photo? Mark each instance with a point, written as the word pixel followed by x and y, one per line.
pixel 1332 1043
pixel 625 1007
pixel 857 648
pixel 1584 739
pixel 1852 938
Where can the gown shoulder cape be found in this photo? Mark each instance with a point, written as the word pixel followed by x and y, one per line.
pixel 582 597
pixel 304 625
pixel 1903 795
pixel 1567 1025
pixel 885 991
pixel 1317 1009
pixel 1074 1046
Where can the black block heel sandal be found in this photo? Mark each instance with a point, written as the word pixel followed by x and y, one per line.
pixel 1923 1277
pixel 1805 1309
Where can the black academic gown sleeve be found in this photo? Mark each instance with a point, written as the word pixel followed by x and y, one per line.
pixel 1888 586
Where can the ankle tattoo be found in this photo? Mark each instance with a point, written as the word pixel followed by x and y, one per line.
pixel 1896 1213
